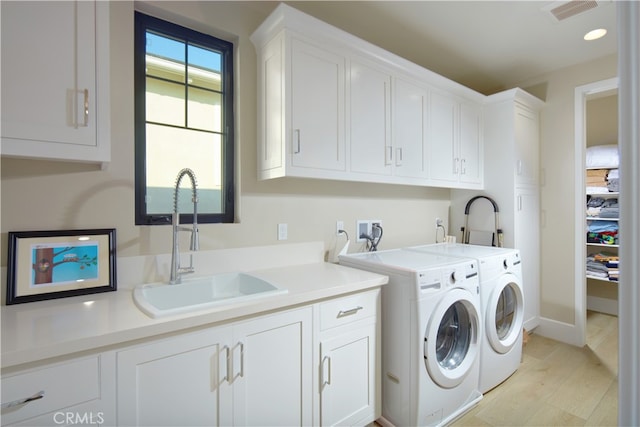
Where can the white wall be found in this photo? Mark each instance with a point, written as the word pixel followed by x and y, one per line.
pixel 50 195
pixel 558 198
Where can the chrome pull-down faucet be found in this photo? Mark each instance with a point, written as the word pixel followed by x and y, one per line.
pixel 176 270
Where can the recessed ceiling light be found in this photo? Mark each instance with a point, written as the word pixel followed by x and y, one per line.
pixel 595 34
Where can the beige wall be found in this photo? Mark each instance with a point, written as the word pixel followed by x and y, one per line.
pixel 558 198
pixel 50 195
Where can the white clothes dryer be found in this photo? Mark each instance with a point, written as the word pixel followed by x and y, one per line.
pixel 502 302
pixel 431 331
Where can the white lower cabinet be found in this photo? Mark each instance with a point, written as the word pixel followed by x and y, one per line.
pixel 318 364
pixel 349 385
pixel 256 372
pixel 73 392
pixel 271 370
pixel 180 380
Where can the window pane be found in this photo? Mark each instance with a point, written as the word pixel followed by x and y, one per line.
pixel 204 68
pixel 165 102
pixel 165 58
pixel 171 149
pixel 204 78
pixel 205 110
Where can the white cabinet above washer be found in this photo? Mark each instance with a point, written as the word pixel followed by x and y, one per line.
pixel 332 106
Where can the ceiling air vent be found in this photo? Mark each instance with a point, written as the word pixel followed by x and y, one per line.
pixel 561 10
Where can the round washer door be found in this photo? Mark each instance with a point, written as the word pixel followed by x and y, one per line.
pixel 451 338
pixel 505 313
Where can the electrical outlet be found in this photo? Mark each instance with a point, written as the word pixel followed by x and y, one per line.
pixel 339 226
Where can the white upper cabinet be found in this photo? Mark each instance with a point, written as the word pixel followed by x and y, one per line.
pixel 526 145
pixel 333 106
pixel 300 110
pixel 317 108
pixel 471 147
pixel 369 119
pixel 410 124
pixel 55 80
pixel 455 142
pixel 443 153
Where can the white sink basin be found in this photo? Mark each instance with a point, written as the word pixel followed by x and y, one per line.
pixel 162 299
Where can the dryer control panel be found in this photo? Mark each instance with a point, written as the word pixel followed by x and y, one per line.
pixel 451 276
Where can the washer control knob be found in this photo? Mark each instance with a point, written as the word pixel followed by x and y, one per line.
pixel 456 276
pixel 505 264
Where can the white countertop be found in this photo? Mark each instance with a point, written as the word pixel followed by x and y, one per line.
pixel 41 330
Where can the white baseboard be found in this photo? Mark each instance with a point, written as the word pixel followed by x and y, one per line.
pixel 603 305
pixel 560 331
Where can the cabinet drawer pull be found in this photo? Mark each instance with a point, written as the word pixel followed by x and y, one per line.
pixel 24 400
pixel 344 313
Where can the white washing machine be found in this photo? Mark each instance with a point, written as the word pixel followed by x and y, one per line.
pixel 431 331
pixel 502 303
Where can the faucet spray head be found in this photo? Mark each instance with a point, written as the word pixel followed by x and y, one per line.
pixel 195 240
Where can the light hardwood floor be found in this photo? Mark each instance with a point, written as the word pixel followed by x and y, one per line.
pixel 558 384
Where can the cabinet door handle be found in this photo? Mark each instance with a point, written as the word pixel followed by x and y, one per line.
pixel 232 375
pixel 227 375
pixel 399 156
pixel 455 165
pixel 388 155
pixel 241 360
pixel 326 378
pixel 86 108
pixel 463 169
pixel 297 149
pixel 39 395
pixel 343 313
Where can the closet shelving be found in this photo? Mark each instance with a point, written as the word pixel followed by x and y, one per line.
pixel 602 246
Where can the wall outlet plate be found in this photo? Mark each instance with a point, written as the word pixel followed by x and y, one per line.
pixel 363 227
pixel 283 232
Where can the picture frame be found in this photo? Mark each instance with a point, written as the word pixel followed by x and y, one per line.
pixel 46 265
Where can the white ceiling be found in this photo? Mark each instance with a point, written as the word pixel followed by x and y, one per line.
pixel 486 45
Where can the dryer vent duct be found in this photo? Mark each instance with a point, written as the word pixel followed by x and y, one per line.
pixel 561 10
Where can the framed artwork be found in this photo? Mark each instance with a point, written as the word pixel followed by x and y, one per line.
pixel 57 264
